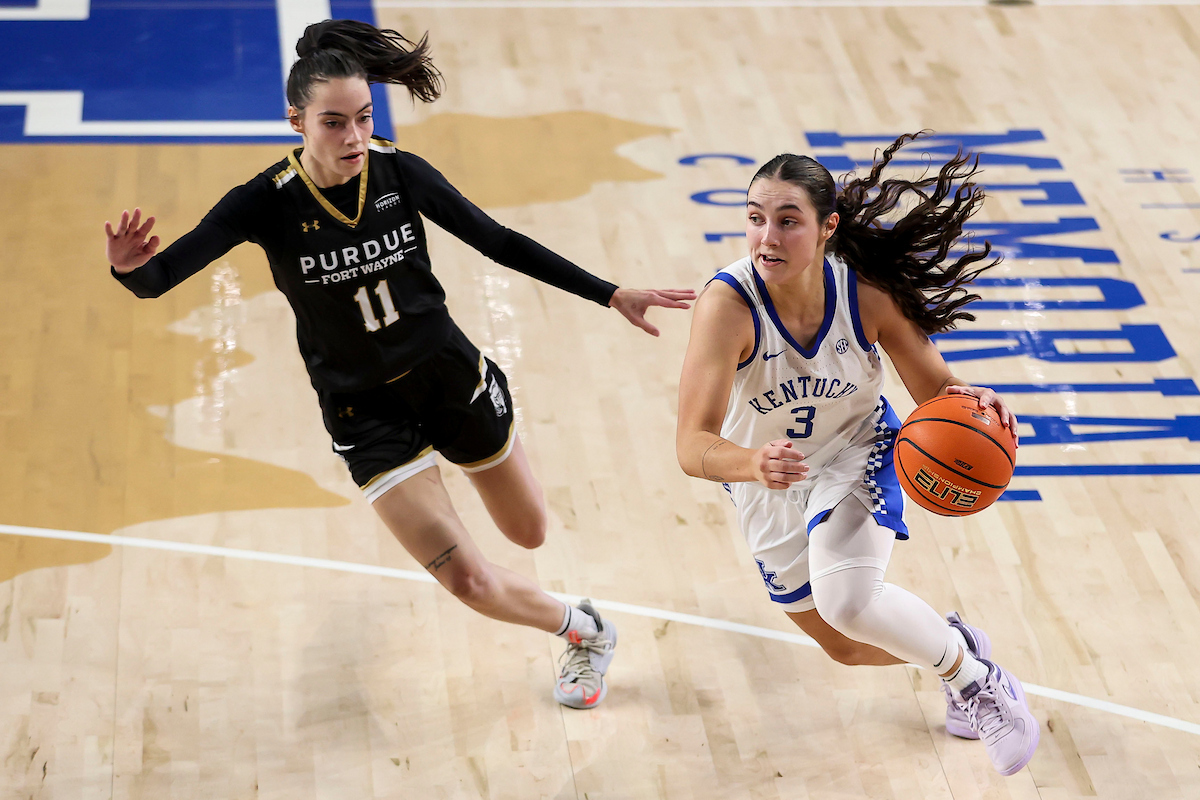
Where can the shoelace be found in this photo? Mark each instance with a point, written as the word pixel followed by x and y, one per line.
pixel 578 656
pixel 991 721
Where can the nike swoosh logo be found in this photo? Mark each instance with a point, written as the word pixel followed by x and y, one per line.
pixel 769 356
pixel 341 448
pixel 1009 690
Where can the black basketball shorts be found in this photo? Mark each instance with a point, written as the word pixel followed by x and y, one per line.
pixel 455 402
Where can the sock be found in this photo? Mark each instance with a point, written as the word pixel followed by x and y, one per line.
pixel 969 671
pixel 962 640
pixel 576 622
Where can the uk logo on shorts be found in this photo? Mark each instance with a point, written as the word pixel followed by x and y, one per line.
pixel 769 577
pixel 497 395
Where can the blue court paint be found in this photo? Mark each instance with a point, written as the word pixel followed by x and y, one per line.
pixel 693 160
pixel 185 61
pixel 940 146
pixel 1021 496
pixel 1174 175
pixel 1054 193
pixel 1167 387
pixel 1146 343
pixel 1098 470
pixel 1116 295
pixel 720 197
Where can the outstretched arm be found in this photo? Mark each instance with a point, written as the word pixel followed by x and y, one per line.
pixel 138 265
pixel 722 336
pixel 632 303
pixel 127 247
pixel 916 357
pixel 438 200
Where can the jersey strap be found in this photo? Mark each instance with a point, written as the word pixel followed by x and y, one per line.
pixel 726 278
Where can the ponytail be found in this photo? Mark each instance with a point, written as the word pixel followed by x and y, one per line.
pixel 347 48
pixel 905 259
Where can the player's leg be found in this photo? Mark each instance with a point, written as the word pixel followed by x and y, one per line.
pixel 513 497
pixel 848 554
pixel 420 515
pixel 773 525
pixel 480 436
pixel 837 645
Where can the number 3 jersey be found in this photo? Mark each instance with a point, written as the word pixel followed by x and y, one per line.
pixel 825 399
pixel 353 260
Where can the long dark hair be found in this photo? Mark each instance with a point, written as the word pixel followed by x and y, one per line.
pixel 907 258
pixel 347 48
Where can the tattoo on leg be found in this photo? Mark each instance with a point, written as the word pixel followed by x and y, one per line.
pixel 704 470
pixel 441 560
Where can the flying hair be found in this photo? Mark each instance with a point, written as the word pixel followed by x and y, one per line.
pixel 908 258
pixel 347 48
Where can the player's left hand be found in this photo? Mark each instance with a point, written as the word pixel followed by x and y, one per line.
pixel 632 303
pixel 988 397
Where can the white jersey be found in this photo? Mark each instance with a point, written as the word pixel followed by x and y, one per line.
pixel 826 400
pixel 818 397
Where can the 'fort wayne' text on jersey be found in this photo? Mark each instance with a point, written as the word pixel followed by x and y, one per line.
pixel 353 260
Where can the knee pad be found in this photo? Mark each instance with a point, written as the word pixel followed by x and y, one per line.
pixel 843 592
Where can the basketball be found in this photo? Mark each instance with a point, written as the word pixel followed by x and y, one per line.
pixel 954 458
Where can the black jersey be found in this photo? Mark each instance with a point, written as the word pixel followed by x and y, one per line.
pixel 353 261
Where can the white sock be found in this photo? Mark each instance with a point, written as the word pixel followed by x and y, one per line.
pixel 578 622
pixel 962 640
pixel 969 671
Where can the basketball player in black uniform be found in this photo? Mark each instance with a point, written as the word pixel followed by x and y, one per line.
pixel 341 222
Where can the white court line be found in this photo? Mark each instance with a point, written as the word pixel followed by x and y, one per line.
pixel 60 113
pixel 608 605
pixel 48 11
pixel 500 4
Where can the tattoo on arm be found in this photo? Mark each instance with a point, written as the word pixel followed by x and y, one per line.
pixel 703 469
pixel 441 560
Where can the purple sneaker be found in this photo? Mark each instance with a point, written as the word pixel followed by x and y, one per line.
pixel 980 646
pixel 997 710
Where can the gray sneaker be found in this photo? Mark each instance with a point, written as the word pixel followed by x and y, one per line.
pixel 581 682
pixel 980 646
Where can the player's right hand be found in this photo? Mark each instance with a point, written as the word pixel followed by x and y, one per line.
pixel 127 247
pixel 777 465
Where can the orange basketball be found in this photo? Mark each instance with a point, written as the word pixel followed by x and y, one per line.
pixel 954 458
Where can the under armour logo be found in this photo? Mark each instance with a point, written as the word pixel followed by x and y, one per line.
pixel 314 225
pixel 769 577
pixel 348 411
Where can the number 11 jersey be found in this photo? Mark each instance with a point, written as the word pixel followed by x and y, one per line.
pixel 353 260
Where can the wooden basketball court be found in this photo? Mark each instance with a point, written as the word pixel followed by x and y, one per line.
pixel 196 602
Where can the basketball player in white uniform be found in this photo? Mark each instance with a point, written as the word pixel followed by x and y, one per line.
pixel 780 400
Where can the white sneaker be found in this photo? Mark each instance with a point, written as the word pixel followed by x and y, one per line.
pixel 581 683
pixel 999 713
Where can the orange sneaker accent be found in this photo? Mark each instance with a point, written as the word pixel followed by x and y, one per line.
pixel 574 637
pixel 587 701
